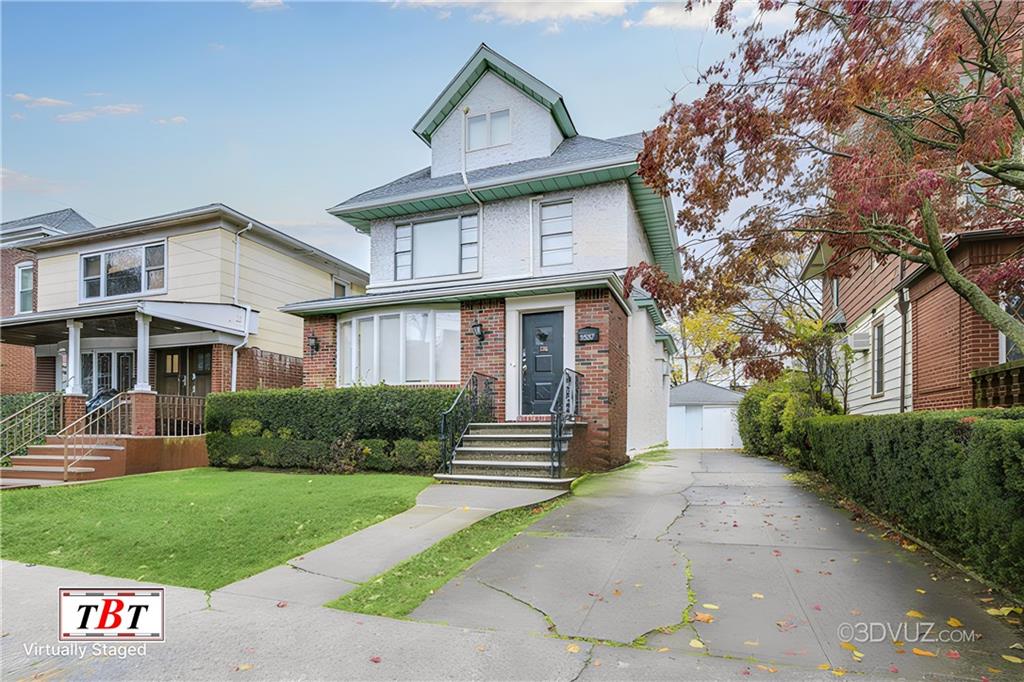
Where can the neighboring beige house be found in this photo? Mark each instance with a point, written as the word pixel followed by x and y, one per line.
pixel 196 292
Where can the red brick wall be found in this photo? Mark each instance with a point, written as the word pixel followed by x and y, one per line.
pixel 257 369
pixel 949 338
pixel 220 366
pixel 17 363
pixel 320 368
pixel 605 369
pixel 488 357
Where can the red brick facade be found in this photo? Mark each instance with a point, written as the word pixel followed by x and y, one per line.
pixel 143 413
pixel 320 367
pixel 257 369
pixel 605 369
pixel 487 357
pixel 949 338
pixel 17 363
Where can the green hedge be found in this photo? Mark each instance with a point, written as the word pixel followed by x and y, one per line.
pixel 771 415
pixel 954 479
pixel 12 402
pixel 362 428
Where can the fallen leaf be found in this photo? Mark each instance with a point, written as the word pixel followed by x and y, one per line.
pixel 282 604
pixel 776 552
pixel 838 672
pixel 893 669
pixel 954 622
pixel 751 642
pixel 914 614
pixel 696 643
pixel 374 659
pixel 662 649
pixel 953 654
pixel 816 607
pixel 824 666
pixel 897 642
pixel 1017 645
pixel 857 656
pixel 481 647
pixel 985 600
pixel 1004 611
pixel 785 625
pixel 713 607
pixel 242 667
pixel 920 591
pixel 1013 659
pixel 855 612
pixel 596 663
pixel 923 652
pixel 757 595
pixel 848 646
pixel 573 648
pixel 704 618
pixel 616 592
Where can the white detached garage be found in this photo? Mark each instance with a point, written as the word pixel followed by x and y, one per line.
pixel 703 416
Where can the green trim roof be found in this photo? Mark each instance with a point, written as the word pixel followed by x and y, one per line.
pixel 483 60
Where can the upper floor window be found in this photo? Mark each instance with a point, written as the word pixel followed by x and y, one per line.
pixel 878 358
pixel 340 289
pixel 449 246
pixel 556 233
pixel 124 271
pixel 835 292
pixel 23 275
pixel 488 130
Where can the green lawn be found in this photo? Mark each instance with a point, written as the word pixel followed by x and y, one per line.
pixel 397 592
pixel 200 528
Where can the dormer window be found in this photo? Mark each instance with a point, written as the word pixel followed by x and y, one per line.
pixel 488 130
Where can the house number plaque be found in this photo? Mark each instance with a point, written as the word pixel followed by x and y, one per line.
pixel 587 335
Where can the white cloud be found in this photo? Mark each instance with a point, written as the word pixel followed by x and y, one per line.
pixel 13 181
pixel 529 11
pixel 675 15
pixel 173 120
pixel 266 5
pixel 216 47
pixel 30 101
pixel 18 116
pixel 94 112
pixel 95 94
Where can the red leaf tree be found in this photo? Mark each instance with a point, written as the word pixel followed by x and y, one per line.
pixel 883 127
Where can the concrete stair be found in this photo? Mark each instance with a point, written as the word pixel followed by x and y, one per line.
pixel 516 454
pixel 100 457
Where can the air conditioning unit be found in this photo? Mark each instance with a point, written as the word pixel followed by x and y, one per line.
pixel 860 342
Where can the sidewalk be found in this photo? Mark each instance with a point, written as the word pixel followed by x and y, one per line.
pixel 328 572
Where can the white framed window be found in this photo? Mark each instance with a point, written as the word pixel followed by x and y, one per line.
pixel 435 248
pixel 415 346
pixel 124 271
pixel 340 288
pixel 556 233
pixel 488 130
pixel 1008 350
pixel 104 370
pixel 24 275
pixel 878 358
pixel 835 292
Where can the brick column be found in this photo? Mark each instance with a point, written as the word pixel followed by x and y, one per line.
pixel 487 357
pixel 74 407
pixel 605 368
pixel 143 412
pixel 320 366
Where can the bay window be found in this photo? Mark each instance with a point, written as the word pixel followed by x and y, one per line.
pixel 124 271
pixel 435 248
pixel 416 346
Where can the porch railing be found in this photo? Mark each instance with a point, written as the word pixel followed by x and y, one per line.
pixel 180 415
pixel 83 436
pixel 564 408
pixel 999 386
pixel 30 425
pixel 475 402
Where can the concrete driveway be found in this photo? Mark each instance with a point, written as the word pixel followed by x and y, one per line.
pixel 596 590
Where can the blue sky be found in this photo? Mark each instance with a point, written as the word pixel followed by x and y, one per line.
pixel 127 110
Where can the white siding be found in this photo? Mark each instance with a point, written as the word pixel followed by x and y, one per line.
pixel 861 400
pixel 533 130
pixel 647 404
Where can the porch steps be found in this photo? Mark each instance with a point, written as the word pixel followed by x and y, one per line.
pixel 505 454
pixel 100 458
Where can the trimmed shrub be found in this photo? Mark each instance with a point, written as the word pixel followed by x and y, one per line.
pixel 430 455
pixel 379 454
pixel 346 456
pixel 407 454
pixel 747 418
pixel 954 479
pixel 770 416
pixel 13 402
pixel 247 427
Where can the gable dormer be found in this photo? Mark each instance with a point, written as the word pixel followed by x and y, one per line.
pixel 495 113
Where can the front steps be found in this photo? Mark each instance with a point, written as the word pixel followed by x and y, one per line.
pixel 100 457
pixel 516 454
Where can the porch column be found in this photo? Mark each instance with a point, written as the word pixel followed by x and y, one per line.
pixel 142 352
pixel 74 386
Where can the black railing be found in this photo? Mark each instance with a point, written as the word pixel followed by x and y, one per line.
pixel 475 402
pixel 565 407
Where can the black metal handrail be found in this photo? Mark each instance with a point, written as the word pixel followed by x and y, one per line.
pixel 565 406
pixel 475 402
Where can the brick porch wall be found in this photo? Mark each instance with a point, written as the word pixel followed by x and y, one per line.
pixel 257 369
pixel 320 368
pixel 17 363
pixel 605 368
pixel 488 357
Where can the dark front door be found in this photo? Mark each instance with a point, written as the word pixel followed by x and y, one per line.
pixel 542 360
pixel 184 371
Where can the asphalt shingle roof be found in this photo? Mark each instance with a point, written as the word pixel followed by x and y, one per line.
pixel 702 393
pixel 66 220
pixel 572 151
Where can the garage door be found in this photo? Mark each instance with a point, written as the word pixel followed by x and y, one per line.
pixel 703 426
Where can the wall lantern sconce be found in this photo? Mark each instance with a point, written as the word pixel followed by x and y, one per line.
pixel 479 333
pixel 313 343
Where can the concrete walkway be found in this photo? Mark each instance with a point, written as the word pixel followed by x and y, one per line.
pixel 784 578
pixel 330 571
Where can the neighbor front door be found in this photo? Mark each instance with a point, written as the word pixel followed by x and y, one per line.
pixel 541 361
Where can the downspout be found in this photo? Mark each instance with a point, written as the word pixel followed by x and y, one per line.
pixel 469 191
pixel 248 308
pixel 903 305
